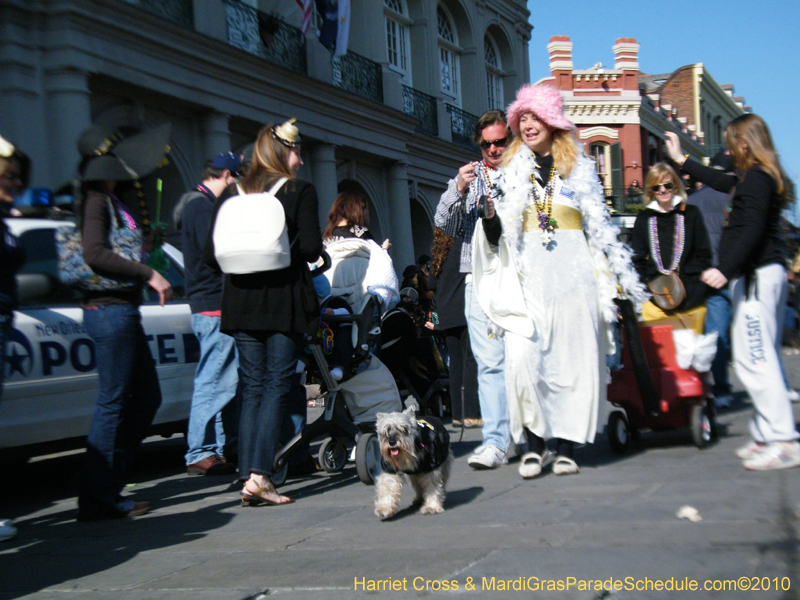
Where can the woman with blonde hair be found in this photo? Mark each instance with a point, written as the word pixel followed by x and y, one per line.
pixel 546 271
pixel 752 259
pixel 268 312
pixel 670 236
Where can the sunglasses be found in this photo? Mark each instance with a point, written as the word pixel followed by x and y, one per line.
pixel 666 186
pixel 501 143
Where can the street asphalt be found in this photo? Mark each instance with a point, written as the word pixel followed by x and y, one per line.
pixel 613 525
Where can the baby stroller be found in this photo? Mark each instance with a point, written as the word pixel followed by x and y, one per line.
pixel 416 357
pixel 367 387
pixel 651 391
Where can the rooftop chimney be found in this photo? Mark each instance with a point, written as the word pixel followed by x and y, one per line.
pixel 626 51
pixel 560 48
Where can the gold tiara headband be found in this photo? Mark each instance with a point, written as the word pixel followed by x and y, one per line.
pixel 287 134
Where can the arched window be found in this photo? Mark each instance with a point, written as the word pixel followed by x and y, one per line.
pixel 494 73
pixel 448 56
pixel 397 38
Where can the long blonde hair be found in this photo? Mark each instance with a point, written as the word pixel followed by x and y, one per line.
pixel 753 131
pixel 270 162
pixel 565 151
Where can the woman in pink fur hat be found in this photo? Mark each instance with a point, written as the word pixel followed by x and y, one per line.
pixel 547 268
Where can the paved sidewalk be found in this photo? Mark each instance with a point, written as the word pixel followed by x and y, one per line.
pixel 614 520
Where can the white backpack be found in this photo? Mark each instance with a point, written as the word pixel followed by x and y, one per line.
pixel 250 233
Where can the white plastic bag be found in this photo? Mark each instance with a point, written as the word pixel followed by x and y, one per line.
pixel 695 351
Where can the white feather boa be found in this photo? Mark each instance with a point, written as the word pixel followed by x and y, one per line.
pixel 612 258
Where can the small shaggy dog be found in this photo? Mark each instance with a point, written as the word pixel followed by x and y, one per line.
pixel 418 450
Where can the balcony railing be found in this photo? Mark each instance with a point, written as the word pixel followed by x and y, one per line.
pixel 359 75
pixel 462 125
pixel 422 107
pixel 179 12
pixel 266 36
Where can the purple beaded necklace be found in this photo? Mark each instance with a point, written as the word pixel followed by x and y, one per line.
pixel 678 240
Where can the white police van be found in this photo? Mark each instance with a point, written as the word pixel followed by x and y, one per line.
pixel 51 376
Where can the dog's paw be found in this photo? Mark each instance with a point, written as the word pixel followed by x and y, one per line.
pixel 431 509
pixel 384 512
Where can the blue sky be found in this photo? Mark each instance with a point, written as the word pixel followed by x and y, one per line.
pixel 753 45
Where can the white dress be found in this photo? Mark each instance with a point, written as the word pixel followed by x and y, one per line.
pixel 552 302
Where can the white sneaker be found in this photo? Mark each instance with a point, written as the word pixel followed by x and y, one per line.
pixel 487 457
pixel 776 455
pixel 7 530
pixel 749 450
pixel 794 396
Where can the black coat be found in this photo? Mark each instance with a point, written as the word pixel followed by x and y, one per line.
pixel 696 256
pixel 283 300
pixel 449 286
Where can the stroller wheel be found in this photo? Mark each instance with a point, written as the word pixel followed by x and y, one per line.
pixel 703 424
pixel 278 477
pixel 368 458
pixel 436 406
pixel 619 432
pixel 332 455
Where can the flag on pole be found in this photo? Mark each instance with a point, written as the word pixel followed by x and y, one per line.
pixel 306 7
pixel 335 31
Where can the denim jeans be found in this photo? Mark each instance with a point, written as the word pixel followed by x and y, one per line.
pixel 128 399
pixel 718 318
pixel 5 333
pixel 213 417
pixel 490 355
pixel 267 362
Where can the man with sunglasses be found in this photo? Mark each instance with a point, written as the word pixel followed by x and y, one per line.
pixel 456 215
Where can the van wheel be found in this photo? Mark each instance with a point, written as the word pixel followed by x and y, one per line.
pixel 619 432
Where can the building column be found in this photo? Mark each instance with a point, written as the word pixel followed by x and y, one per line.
pixel 68 114
pixel 216 135
pixel 400 233
pixel 323 176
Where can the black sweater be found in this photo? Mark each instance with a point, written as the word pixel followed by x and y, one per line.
pixel 449 287
pixel 203 284
pixel 696 256
pixel 752 237
pixel 283 300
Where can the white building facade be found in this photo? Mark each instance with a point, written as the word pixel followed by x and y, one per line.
pixel 392 117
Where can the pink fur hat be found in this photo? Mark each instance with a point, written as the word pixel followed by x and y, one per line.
pixel 542 100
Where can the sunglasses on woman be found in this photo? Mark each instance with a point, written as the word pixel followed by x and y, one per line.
pixel 666 186
pixel 501 143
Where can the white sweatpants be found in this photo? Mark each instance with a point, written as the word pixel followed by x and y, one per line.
pixel 756 338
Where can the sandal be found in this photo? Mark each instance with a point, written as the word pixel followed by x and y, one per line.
pixel 532 464
pixel 249 499
pixel 565 466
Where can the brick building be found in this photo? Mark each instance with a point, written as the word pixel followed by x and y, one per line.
pixel 622 114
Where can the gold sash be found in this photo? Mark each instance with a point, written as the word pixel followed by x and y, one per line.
pixel 566 218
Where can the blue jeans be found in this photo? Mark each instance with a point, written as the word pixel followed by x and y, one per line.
pixel 128 399
pixel 213 416
pixel 490 355
pixel 718 319
pixel 5 333
pixel 267 361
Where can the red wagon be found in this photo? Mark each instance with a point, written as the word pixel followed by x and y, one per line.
pixel 651 391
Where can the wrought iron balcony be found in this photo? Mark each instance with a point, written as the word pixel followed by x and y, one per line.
pixel 422 107
pixel 179 12
pixel 266 36
pixel 359 75
pixel 462 125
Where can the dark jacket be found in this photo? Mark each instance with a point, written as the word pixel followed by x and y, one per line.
pixel 714 206
pixel 203 284
pixel 696 256
pixel 12 257
pixel 752 237
pixel 449 287
pixel 102 259
pixel 283 300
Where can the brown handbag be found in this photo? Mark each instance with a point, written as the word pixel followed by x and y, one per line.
pixel 668 291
